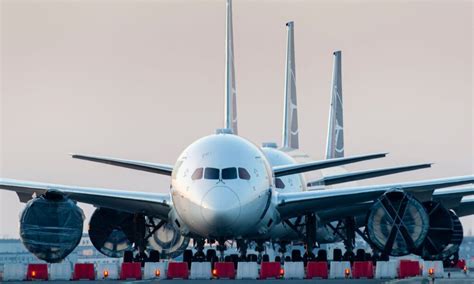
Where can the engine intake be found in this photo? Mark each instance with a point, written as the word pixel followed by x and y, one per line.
pixel 397 223
pixel 51 226
pixel 114 232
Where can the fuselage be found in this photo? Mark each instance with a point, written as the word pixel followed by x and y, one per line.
pixel 222 187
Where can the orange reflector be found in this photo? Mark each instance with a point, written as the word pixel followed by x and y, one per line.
pixel 214 272
pixel 106 273
pixel 347 272
pixel 282 272
pixel 431 271
pixel 33 274
pixel 157 273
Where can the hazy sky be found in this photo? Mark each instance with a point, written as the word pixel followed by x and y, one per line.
pixel 143 79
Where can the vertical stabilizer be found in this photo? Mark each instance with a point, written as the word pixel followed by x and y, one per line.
pixel 290 118
pixel 230 93
pixel 335 139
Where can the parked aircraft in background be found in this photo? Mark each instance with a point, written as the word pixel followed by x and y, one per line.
pixel 224 187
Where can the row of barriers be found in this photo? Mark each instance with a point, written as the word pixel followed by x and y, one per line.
pixel 224 270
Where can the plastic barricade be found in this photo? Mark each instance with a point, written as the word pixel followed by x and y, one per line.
pixel 433 269
pixel 224 270
pixel 60 271
pixel 107 271
pixel 408 268
pixel 84 271
pixel 461 263
pixel 14 272
pixel 155 270
pixel 362 269
pixel 178 270
pixel 339 269
pixel 293 270
pixel 270 270
pixel 247 270
pixel 37 272
pixel 386 269
pixel 131 270
pixel 200 270
pixel 317 269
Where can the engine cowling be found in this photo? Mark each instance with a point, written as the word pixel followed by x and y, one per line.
pixel 51 226
pixel 445 234
pixel 397 223
pixel 168 241
pixel 113 232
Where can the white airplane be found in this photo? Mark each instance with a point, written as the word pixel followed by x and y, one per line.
pixel 222 187
pixel 346 226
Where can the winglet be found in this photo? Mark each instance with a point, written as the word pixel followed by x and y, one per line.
pixel 335 137
pixel 230 92
pixel 290 110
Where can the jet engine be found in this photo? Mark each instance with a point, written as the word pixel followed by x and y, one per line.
pixel 114 232
pixel 51 226
pixel 397 223
pixel 445 233
pixel 167 240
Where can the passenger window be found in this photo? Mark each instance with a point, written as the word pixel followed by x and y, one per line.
pixel 229 173
pixel 244 174
pixel 211 173
pixel 197 174
pixel 279 183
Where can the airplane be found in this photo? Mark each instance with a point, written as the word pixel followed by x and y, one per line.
pixel 327 233
pixel 222 188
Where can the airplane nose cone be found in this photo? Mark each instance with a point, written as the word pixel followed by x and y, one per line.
pixel 220 207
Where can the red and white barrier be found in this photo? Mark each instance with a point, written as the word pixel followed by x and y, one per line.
pixel 293 270
pixel 339 269
pixel 270 270
pixel 155 270
pixel 14 272
pixel 131 270
pixel 60 271
pixel 200 270
pixel 317 269
pixel 363 269
pixel 178 270
pixel 433 269
pixel 386 269
pixel 408 268
pixel 224 270
pixel 247 270
pixel 84 271
pixel 37 272
pixel 107 271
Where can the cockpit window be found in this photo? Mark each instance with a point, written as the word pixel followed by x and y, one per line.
pixel 229 173
pixel 197 174
pixel 244 174
pixel 211 173
pixel 279 183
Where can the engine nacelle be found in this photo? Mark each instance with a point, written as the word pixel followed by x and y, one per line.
pixel 51 226
pixel 113 232
pixel 445 234
pixel 397 223
pixel 168 241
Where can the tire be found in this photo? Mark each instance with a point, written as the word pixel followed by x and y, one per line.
pixel 337 255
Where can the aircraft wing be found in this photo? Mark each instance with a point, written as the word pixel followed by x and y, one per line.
pixel 300 203
pixel 153 204
pixel 317 165
pixel 466 207
pixel 130 164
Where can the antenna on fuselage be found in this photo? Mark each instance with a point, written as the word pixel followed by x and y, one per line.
pixel 335 137
pixel 230 92
pixel 290 110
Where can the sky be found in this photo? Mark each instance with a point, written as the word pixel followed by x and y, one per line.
pixel 143 79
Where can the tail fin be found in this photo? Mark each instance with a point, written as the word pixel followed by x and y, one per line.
pixel 230 93
pixel 335 138
pixel 290 119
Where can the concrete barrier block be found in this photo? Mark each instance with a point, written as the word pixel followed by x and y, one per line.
pixel 155 270
pixel 107 271
pixel 60 271
pixel 339 269
pixel 14 272
pixel 293 270
pixel 201 270
pixel 247 270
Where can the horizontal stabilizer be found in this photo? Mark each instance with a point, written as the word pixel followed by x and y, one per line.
pixel 354 176
pixel 135 165
pixel 465 208
pixel 317 165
